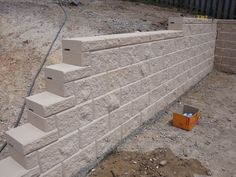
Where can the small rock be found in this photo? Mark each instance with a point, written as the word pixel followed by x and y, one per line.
pixel 157 167
pixel 209 173
pixel 163 163
pixel 134 162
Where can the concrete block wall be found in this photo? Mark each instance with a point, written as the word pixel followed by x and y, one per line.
pixel 225 56
pixel 106 87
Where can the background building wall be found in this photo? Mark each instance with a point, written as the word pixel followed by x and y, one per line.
pixel 225 56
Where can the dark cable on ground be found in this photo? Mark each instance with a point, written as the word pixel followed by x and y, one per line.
pixel 38 71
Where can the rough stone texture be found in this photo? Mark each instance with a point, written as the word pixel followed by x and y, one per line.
pixel 74 118
pixel 131 125
pixel 56 152
pixel 225 53
pixel 82 90
pixel 98 85
pixel 106 104
pixel 108 141
pixel 54 172
pixel 93 131
pixel 79 160
pixel 120 115
pixel 109 85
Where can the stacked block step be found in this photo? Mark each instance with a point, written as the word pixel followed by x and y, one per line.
pixel 25 141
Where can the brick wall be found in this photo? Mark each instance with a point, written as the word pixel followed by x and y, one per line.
pixel 106 87
pixel 225 56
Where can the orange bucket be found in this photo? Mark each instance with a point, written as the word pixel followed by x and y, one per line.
pixel 184 122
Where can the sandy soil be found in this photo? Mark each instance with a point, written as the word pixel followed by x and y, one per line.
pixel 212 142
pixel 159 162
pixel 28 26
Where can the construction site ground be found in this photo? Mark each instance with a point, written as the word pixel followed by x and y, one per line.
pixel 208 150
pixel 26 29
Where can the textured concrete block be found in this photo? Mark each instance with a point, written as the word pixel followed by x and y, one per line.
pixel 67 121
pixel 127 75
pixel 226 36
pixel 145 85
pixel 226 44
pixel 93 131
pixel 175 23
pixel 148 113
pixel 72 53
pixel 59 88
pixel 108 141
pixel 127 57
pixel 105 60
pixel 140 103
pixel 169 46
pixel 226 52
pixel 131 91
pixel 120 116
pixel 158 79
pixel 42 123
pixel 99 85
pixel 28 161
pixel 140 71
pixel 85 113
pixel 94 43
pixel 157 49
pixel 46 103
pixel 56 152
pixel 158 64
pixel 157 93
pixel 119 78
pixel 27 138
pixel 82 90
pixel 54 172
pixel 10 168
pixel 229 61
pixel 226 26
pixel 74 118
pixel 79 160
pixel 107 103
pixel 63 72
pixel 132 124
pixel 142 52
pixel 225 68
pixel 193 29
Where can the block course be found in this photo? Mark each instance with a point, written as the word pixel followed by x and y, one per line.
pixel 108 86
pixel 225 56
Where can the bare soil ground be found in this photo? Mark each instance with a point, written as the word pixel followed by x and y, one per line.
pixel 28 26
pixel 212 143
pixel 159 162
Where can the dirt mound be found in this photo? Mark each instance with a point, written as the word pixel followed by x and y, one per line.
pixel 158 163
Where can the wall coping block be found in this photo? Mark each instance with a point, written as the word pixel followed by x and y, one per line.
pixel 118 40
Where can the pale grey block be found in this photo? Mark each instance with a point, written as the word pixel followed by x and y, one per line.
pixel 27 138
